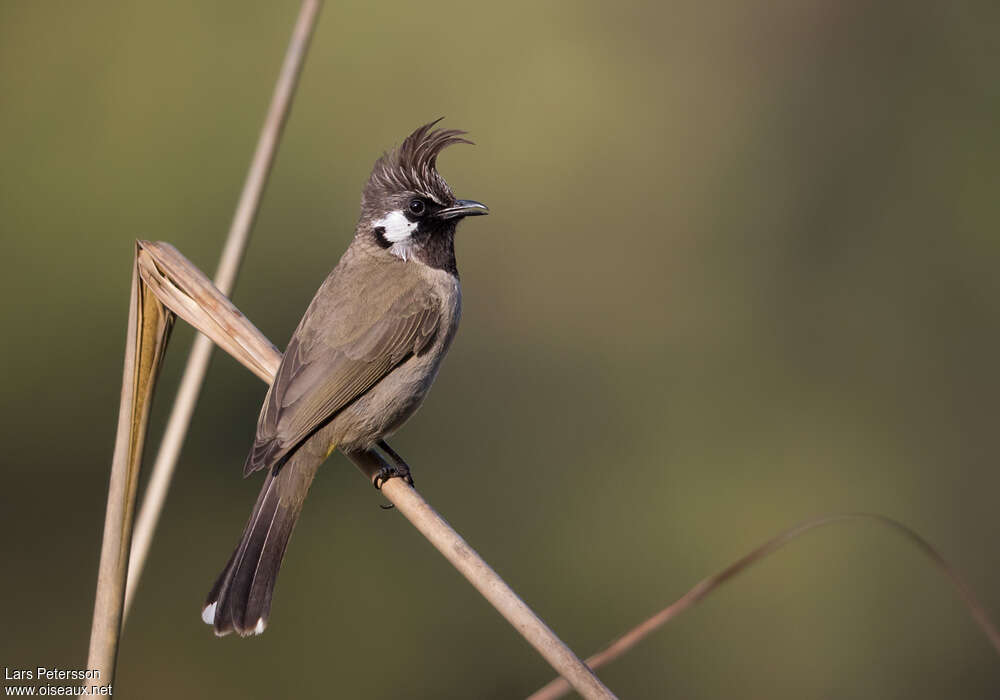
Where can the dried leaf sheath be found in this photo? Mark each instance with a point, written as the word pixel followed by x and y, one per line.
pixel 188 291
pixel 149 325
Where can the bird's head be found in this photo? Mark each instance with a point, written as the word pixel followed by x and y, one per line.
pixel 407 208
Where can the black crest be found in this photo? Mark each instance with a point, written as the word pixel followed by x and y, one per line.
pixel 412 166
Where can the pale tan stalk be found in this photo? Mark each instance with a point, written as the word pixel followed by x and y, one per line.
pixel 149 324
pixel 225 277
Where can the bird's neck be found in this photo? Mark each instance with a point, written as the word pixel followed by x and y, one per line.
pixel 438 251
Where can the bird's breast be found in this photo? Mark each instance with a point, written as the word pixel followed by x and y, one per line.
pixel 384 408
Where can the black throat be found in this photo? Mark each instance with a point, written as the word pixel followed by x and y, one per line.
pixel 437 248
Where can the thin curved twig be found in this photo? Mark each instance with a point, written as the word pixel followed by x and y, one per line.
pixel 558 687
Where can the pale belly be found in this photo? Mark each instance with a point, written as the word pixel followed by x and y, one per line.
pixel 385 408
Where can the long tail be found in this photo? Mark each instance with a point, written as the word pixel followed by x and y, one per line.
pixel 240 600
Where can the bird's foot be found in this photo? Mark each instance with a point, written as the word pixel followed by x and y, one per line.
pixel 391 472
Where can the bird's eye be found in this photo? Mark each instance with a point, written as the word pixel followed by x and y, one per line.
pixel 417 207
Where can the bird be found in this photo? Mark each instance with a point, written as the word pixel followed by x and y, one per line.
pixel 358 365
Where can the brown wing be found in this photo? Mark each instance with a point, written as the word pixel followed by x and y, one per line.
pixel 337 354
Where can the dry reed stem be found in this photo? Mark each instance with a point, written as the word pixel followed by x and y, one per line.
pixel 225 278
pixel 558 687
pixel 149 325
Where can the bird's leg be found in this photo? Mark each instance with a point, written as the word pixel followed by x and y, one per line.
pixel 372 464
pixel 399 467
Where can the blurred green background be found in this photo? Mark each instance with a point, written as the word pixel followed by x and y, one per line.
pixel 741 269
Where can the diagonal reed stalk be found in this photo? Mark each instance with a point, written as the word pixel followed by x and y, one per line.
pixel 149 325
pixel 168 283
pixel 558 687
pixel 225 278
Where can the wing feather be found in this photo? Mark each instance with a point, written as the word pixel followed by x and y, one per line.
pixel 326 368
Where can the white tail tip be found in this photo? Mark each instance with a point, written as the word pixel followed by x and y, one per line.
pixel 208 614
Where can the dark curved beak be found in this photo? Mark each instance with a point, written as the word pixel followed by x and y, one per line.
pixel 463 207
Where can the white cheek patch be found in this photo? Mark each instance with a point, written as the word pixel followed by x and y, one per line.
pixel 397 226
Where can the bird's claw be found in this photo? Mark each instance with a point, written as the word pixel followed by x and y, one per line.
pixel 390 472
